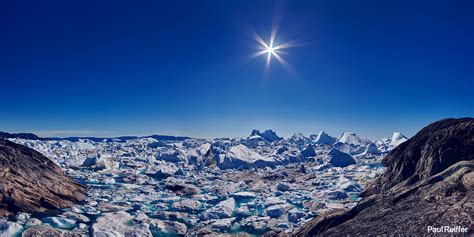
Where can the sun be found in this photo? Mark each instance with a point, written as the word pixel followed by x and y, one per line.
pixel 271 50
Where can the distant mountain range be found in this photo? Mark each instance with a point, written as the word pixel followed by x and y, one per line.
pixel 268 135
pixel 31 136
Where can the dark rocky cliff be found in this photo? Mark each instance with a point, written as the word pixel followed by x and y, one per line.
pixel 429 182
pixel 30 182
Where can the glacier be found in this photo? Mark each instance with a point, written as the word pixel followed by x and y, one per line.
pixel 158 185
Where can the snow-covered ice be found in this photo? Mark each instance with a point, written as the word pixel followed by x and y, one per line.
pixel 150 187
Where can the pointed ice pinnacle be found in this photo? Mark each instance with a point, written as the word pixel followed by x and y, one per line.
pixel 397 139
pixel 352 139
pixel 324 138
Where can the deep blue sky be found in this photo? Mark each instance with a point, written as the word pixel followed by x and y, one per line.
pixel 179 67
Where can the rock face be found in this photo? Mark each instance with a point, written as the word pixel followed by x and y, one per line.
pixel 30 182
pixel 431 151
pixel 29 136
pixel 429 182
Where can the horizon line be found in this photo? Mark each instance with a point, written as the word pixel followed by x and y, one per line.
pixel 97 134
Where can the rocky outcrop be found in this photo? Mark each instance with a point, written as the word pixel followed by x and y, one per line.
pixel 433 149
pixel 429 182
pixel 29 136
pixel 30 182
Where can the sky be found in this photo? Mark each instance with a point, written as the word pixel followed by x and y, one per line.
pixel 108 68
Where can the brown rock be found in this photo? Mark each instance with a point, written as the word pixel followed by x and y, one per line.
pixel 30 182
pixel 429 182
pixel 430 151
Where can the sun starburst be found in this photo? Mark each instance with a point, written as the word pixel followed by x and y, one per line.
pixel 270 50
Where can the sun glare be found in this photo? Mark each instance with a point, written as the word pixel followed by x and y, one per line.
pixel 271 50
